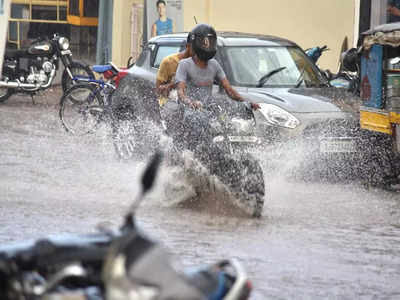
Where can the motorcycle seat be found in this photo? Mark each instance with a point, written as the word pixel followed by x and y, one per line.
pixel 101 68
pixel 15 53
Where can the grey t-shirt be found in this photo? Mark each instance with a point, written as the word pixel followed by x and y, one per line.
pixel 199 81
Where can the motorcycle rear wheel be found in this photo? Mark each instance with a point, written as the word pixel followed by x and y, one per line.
pixel 81 108
pixel 5 93
pixel 77 69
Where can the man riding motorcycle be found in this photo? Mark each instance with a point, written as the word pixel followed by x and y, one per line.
pixel 195 77
pixel 198 72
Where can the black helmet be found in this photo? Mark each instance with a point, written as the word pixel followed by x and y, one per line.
pixel 350 59
pixel 204 41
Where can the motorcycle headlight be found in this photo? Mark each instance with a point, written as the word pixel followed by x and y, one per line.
pixel 242 126
pixel 278 116
pixel 218 139
pixel 64 43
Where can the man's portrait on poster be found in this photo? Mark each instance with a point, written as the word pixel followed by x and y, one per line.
pixel 163 25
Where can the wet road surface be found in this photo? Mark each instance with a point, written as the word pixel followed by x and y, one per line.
pixel 315 240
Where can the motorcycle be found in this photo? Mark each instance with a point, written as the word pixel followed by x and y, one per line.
pixel 34 69
pixel 316 52
pixel 223 138
pixel 222 141
pixel 113 265
pixel 346 77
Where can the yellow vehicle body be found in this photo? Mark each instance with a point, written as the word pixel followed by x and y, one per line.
pixel 380 81
pixel 379 120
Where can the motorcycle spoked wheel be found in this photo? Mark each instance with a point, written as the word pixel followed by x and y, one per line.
pixel 243 175
pixel 77 69
pixel 5 93
pixel 133 140
pixel 124 139
pixel 81 109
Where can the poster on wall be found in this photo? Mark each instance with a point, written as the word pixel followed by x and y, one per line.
pixel 163 17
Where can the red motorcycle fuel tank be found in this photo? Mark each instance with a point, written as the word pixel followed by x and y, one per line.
pixel 40 48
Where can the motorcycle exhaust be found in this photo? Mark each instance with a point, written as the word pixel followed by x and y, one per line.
pixel 30 86
pixel 17 84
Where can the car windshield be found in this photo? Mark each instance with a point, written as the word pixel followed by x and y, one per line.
pixel 278 66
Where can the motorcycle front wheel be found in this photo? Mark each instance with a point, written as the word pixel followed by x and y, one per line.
pixel 244 177
pixel 5 93
pixel 77 69
pixel 81 108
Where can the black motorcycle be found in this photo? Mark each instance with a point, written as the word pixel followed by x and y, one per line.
pixel 222 137
pixel 34 69
pixel 113 265
pixel 222 140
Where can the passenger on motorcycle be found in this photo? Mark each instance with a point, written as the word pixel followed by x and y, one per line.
pixel 165 81
pixel 170 109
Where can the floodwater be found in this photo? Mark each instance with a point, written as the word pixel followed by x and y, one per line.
pixel 315 240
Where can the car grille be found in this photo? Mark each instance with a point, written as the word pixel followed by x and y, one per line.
pixel 333 128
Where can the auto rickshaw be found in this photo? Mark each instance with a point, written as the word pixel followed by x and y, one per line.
pixel 378 64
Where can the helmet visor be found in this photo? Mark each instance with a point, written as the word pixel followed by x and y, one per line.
pixel 206 43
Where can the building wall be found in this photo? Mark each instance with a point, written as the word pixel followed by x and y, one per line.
pixel 308 23
pixel 122 31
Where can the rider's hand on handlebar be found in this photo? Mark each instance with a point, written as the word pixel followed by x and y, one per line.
pixel 195 104
pixel 255 106
pixel 164 89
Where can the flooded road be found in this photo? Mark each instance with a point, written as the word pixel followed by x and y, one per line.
pixel 315 240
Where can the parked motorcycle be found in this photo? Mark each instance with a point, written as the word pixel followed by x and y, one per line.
pixel 113 265
pixel 316 52
pixel 347 75
pixel 34 69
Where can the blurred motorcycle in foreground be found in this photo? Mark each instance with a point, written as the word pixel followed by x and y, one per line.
pixel 114 265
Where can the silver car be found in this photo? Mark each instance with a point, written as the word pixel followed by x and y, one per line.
pixel 316 124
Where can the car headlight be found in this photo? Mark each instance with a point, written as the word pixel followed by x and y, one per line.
pixel 64 43
pixel 278 116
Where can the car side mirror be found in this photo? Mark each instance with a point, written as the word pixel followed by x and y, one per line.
pixel 130 62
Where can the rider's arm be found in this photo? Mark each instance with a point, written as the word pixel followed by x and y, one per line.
pixel 163 82
pixel 164 88
pixel 232 93
pixel 220 75
pixel 182 93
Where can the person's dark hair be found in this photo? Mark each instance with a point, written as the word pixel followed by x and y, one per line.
pixel 161 1
pixel 203 38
